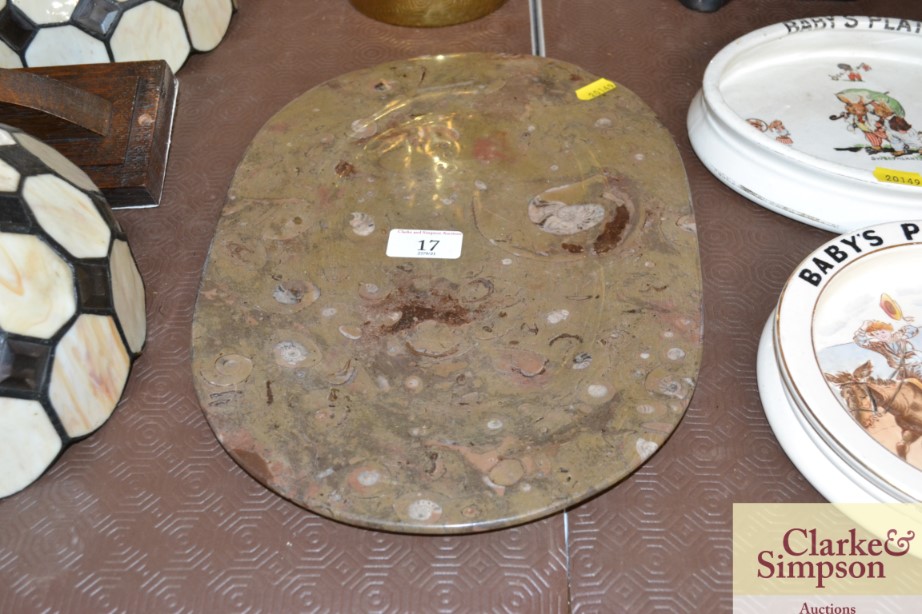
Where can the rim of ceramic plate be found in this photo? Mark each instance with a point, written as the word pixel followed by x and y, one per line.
pixel 723 113
pixel 800 369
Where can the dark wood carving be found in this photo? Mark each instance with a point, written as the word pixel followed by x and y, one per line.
pixel 112 120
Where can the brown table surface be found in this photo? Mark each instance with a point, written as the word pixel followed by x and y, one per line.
pixel 150 514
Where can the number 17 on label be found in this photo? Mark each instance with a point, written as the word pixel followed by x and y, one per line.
pixel 411 243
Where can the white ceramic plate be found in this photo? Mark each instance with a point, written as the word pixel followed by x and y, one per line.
pixel 843 462
pixel 809 119
pixel 829 321
pixel 817 463
pixel 846 462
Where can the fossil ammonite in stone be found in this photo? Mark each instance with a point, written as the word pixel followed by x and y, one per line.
pixel 72 317
pixel 451 294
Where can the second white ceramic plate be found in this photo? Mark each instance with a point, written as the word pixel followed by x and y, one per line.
pixel 819 464
pixel 845 342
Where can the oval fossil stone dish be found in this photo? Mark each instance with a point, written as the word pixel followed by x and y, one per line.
pixel 451 294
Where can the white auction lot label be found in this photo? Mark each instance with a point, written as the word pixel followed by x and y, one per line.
pixel 410 243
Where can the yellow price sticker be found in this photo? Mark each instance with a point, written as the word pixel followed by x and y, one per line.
pixel 595 89
pixel 888 175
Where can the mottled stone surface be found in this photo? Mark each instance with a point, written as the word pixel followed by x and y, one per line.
pixel 436 395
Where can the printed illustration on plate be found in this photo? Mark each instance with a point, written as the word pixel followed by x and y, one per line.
pixel 774 129
pixel 878 377
pixel 876 116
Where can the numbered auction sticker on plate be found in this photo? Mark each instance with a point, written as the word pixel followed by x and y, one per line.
pixel 407 243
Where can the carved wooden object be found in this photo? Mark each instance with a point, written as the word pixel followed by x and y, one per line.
pixel 112 120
